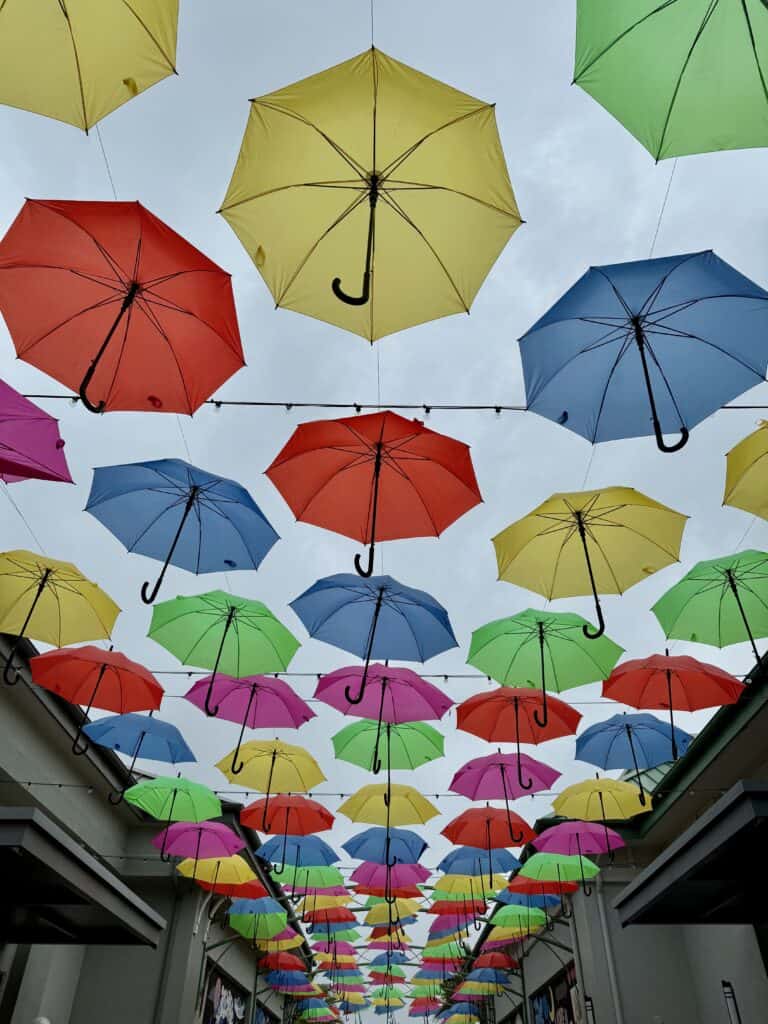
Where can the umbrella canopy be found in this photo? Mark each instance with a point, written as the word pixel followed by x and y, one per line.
pixel 374 844
pixel 526 886
pixel 405 806
pixel 406 746
pixel 681 78
pixel 542 902
pixel 111 302
pixel 392 157
pixel 78 63
pixel 228 870
pixel 247 890
pixel 292 815
pixel 721 601
pixel 180 515
pixel 304 851
pixel 282 962
pixel 375 477
pixel 174 799
pixel 589 542
pixel 395 695
pixel 550 646
pixel 258 926
pixel 137 736
pixel 45 599
pixel 269 765
pixel 553 867
pixel 671 682
pixel 600 800
pixel 220 631
pixel 397 874
pixel 477 860
pixel 30 445
pixel 514 916
pixel 499 961
pixel 203 840
pixel 503 776
pixel 746 483
pixel 490 827
pixel 647 347
pixel 578 838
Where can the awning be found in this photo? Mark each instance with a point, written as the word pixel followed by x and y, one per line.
pixel 54 891
pixel 714 873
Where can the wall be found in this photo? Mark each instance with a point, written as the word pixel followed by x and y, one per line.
pixel 727 952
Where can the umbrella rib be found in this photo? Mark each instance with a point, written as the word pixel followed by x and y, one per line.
pixel 101 304
pixel 711 344
pixel 357 186
pixel 415 186
pixel 78 70
pixel 399 160
pixel 626 32
pixel 623 349
pixel 666 382
pixel 613 336
pixel 111 263
pixel 346 157
pixel 160 50
pixel 159 328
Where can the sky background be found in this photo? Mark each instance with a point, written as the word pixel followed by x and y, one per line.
pixel 589 193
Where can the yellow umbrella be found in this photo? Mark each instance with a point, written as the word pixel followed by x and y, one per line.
pixel 372 178
pixel 512 934
pixel 280 945
pixel 317 901
pixel 601 800
pixel 406 805
pixel 52 601
pixel 77 61
pixel 271 766
pixel 383 914
pixel 217 870
pixel 469 885
pixel 589 542
pixel 746 479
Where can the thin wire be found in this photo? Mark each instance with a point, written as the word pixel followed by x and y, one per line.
pixel 663 208
pixel 371 24
pixel 24 519
pixel 589 466
pixel 106 163
pixel 183 437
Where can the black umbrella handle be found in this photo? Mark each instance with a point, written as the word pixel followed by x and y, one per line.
pixel 521 781
pixel 586 889
pixel 148 596
pixel 164 857
pixel 660 443
pixel 79 749
pixel 671 713
pixel 543 719
pixel 368 570
pixel 269 787
pixel 212 712
pixel 87 378
pixel 357 699
pixel 589 633
pixel 235 767
pixel 116 796
pixel 362 299
pixel 643 800
pixel 12 679
pixel 376 760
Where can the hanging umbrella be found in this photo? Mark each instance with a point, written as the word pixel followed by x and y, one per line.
pixel 405 847
pixel 258 702
pixel 630 741
pixel 220 631
pixel 374 618
pixel 646 347
pixel 406 746
pixel 665 72
pixel 380 913
pixel 45 599
pixel 355 172
pixel 375 477
pixel 96 678
pixel 746 483
pixel 542 902
pixel 522 885
pixel 258 926
pixel 108 300
pixel 589 542
pixel 511 916
pixel 369 873
pixel 303 851
pixel 30 445
pixel 579 838
pixel 546 646
pixel 282 962
pixel 269 765
pixel 722 601
pixel 182 516
pixel 662 681
pixel 203 840
pixel 406 806
pixel 174 799
pixel 229 870
pixel 289 815
pixel 253 890
pixel 138 736
pixel 553 867
pixel 500 776
pixel 600 800
pixel 488 827
pixel 499 961
pixel 477 860
pixel 77 64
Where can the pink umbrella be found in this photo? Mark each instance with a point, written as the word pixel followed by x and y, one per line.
pixel 393 695
pixel 206 839
pixel 500 776
pixel 342 948
pixel 384 876
pixel 259 702
pixel 579 837
pixel 30 445
pixel 313 890
pixel 388 944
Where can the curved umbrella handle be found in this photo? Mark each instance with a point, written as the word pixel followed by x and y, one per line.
pixel 362 299
pixel 127 302
pixel 366 571
pixel 589 633
pixel 79 749
pixel 148 596
pixel 522 783
pixel 353 300
pixel 83 392
pixel 660 444
pixel 212 712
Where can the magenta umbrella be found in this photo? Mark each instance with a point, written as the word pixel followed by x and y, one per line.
pixel 313 890
pixel 342 948
pixel 584 838
pixel 30 445
pixel 385 876
pixel 392 695
pixel 258 702
pixel 198 840
pixel 500 776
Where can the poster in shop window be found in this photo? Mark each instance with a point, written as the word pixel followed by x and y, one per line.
pixel 225 1002
pixel 553 1003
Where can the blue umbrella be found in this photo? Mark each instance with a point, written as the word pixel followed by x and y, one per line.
pixel 281 979
pixel 488 974
pixel 472 860
pixel 375 618
pixel 139 736
pixel 301 851
pixel 631 741
pixel 522 899
pixel 641 348
pixel 395 956
pixel 264 905
pixel 429 974
pixel 180 515
pixel 404 846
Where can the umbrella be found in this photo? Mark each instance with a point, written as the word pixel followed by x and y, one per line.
pixel 272 764
pixel 231 870
pixel 646 347
pixel 258 926
pixel 282 962
pixel 203 840
pixel 174 799
pixel 406 806
pixel 500 776
pixel 578 837
pixel 511 916
pixel 404 846
pixel 499 961
pixel 407 746
pixel 528 886
pixel 220 631
pixel 30 445
pixel 553 867
pixel 662 70
pixel 395 957
pixel 722 601
pixel 601 800
pixel 477 860
pixel 543 902
pixel 101 679
pixel 374 618
pixel 106 298
pixel 589 542
pixel 356 172
pixel 369 873
pixel 77 64
pixel 49 600
pixel 630 741
pixel 138 736
pixel 247 890
pixel 745 482
pixel 259 702
pixel 488 827
pixel 304 851
pixel 375 477
pixel 663 681
pixel 180 515
pixel 291 815
pixel 547 645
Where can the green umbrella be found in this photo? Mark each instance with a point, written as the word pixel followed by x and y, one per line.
pixel 559 867
pixel 720 602
pixel 222 632
pixel 259 926
pixel 513 916
pixel 350 935
pixel 388 992
pixel 683 76
pixel 317 877
pixel 546 649
pixel 174 799
pixel 445 950
pixel 408 745
pixel 440 896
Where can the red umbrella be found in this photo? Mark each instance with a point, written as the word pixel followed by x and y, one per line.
pixel 533 887
pixel 252 890
pixel 496 961
pixel 329 915
pixel 465 908
pixel 375 477
pixel 282 962
pixel 405 892
pixel 96 678
pixel 491 827
pixel 289 815
pixel 107 299
pixel 677 683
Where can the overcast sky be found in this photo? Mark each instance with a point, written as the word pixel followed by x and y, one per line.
pixel 589 193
